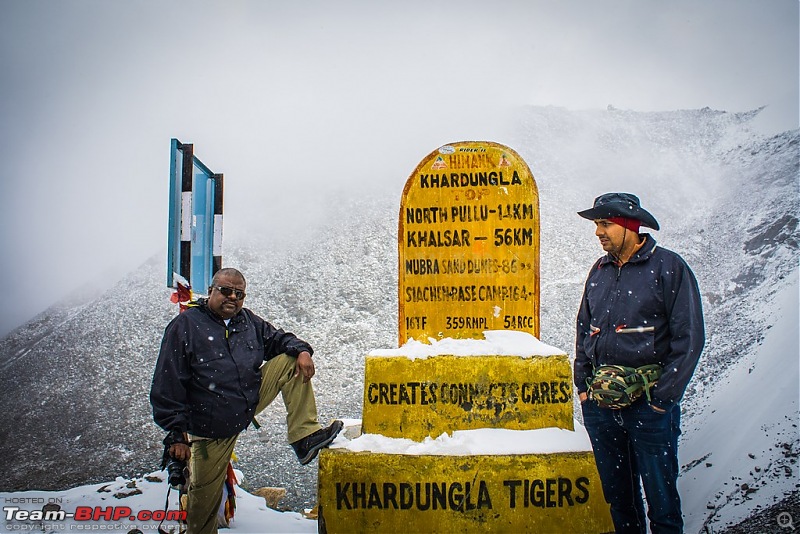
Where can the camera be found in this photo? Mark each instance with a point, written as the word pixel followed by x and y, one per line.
pixel 176 469
pixel 176 472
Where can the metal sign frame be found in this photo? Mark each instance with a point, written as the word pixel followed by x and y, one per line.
pixel 194 250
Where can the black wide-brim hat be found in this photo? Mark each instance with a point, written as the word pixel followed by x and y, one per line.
pixel 619 205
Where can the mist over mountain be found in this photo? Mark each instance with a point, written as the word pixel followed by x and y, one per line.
pixel 76 378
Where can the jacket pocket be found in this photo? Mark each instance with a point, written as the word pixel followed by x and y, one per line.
pixel 622 329
pixel 254 352
pixel 635 343
pixel 590 344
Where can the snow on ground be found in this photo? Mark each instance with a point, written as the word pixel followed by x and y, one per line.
pixel 141 494
pixel 748 430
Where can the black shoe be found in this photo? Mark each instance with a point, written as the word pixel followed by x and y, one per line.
pixel 308 447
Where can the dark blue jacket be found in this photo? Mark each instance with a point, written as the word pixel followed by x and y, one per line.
pixel 647 311
pixel 208 376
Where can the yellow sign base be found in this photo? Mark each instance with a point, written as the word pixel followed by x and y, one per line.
pixel 378 492
pixel 416 398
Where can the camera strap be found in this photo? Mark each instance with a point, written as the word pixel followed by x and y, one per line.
pixel 161 530
pixel 172 438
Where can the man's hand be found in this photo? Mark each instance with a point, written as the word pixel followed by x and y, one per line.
pixel 176 445
pixel 582 396
pixel 180 451
pixel 305 366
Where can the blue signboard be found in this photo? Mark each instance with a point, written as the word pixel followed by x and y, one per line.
pixel 194 250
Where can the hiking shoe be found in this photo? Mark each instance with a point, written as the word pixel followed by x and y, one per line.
pixel 308 447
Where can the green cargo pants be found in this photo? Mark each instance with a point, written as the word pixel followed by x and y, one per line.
pixel 209 462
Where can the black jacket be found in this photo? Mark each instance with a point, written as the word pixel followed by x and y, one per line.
pixel 647 311
pixel 208 376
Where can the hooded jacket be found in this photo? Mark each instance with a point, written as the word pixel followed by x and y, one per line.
pixel 646 311
pixel 208 375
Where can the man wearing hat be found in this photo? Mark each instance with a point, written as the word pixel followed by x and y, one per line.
pixel 640 310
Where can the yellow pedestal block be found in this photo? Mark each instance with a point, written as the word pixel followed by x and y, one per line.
pixel 378 492
pixel 415 398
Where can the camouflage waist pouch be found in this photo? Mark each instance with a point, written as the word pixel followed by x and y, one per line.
pixel 617 386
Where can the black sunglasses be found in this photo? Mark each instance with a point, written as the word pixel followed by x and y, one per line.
pixel 228 291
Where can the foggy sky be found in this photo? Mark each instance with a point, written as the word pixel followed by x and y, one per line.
pixel 293 99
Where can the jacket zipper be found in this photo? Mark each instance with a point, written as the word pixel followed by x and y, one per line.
pixel 623 329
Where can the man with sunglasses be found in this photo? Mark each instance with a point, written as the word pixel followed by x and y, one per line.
pixel 220 365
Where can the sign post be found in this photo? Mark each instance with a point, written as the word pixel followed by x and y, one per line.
pixel 194 251
pixel 468 244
